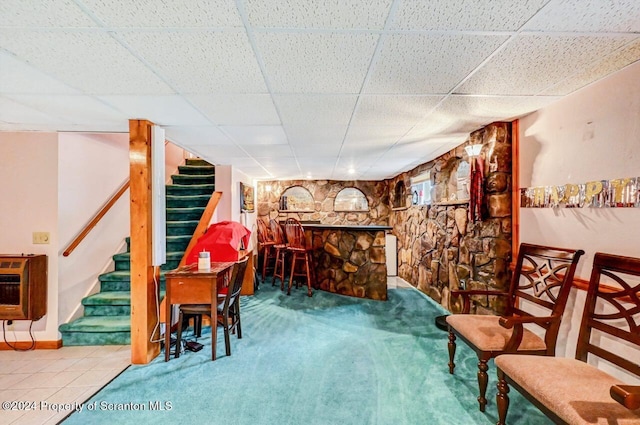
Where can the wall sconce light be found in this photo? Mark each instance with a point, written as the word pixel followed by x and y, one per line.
pixel 473 150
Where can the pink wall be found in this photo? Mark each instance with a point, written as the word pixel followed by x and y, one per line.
pixel 593 134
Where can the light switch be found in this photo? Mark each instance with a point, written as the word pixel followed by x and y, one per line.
pixel 40 237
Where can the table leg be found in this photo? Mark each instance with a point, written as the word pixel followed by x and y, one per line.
pixel 167 329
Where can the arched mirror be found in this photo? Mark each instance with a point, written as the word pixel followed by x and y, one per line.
pixel 350 199
pixel 296 198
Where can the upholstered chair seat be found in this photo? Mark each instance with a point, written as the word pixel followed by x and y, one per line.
pixel 485 333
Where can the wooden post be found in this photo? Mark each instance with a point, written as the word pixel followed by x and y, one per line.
pixel 143 290
pixel 515 190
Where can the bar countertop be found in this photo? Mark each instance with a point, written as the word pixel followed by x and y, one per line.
pixel 372 227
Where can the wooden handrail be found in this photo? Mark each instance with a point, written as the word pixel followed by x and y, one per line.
pixel 203 224
pixel 94 221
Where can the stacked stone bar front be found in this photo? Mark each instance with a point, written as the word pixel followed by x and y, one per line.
pixel 350 260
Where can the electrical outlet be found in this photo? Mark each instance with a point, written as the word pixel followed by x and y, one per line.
pixel 41 237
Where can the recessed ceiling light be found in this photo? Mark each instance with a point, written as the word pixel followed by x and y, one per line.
pixel 352 171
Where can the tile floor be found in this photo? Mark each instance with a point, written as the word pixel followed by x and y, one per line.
pixel 49 379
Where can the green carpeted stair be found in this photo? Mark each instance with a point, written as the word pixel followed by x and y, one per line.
pixel 106 317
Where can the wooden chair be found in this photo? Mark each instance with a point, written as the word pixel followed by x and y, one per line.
pixel 280 246
pixel 300 252
pixel 227 314
pixel 537 295
pixel 570 391
pixel 265 246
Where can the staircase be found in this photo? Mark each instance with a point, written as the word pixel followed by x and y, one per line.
pixel 106 319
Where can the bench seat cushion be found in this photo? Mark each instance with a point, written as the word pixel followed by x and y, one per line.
pixel 485 332
pixel 575 391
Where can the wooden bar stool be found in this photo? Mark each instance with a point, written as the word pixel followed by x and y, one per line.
pixel 265 246
pixel 301 252
pixel 280 247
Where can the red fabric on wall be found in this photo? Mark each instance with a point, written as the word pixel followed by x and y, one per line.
pixel 477 208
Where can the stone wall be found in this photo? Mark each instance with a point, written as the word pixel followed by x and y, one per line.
pixel 324 193
pixel 439 248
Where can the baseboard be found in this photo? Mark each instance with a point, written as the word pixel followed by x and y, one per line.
pixel 25 345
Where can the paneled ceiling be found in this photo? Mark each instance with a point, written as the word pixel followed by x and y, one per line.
pixel 288 89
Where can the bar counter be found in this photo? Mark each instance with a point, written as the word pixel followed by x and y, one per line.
pixel 349 260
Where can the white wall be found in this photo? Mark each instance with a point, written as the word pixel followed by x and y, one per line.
pixel 29 173
pixel 593 134
pixel 92 169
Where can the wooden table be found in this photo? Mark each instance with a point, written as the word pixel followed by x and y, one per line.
pixel 187 285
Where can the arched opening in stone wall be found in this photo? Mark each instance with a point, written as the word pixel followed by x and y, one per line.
pixel 350 199
pixel 296 198
pixel 399 195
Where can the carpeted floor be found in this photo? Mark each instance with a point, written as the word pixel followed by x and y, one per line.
pixel 328 359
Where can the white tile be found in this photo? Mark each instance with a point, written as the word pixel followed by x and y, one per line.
pixel 549 59
pixel 256 135
pixel 92 62
pixel 197 135
pixel 201 62
pixel 172 14
pixel 20 77
pixel 13 380
pixel 48 379
pixel 393 110
pixel 320 110
pixel 163 110
pixel 47 14
pixel 237 109
pixel 428 63
pixel 90 378
pixel 317 62
pixel 588 16
pixel 470 15
pixel 58 365
pixel 349 14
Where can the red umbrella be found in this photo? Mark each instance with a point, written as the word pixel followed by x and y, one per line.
pixel 223 240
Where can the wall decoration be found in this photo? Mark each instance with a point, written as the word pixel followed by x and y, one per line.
pixel 247 200
pixel 616 193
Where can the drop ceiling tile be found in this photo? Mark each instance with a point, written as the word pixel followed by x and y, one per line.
pixel 200 62
pixel 92 62
pixel 311 134
pixel 351 14
pixel 256 135
pixel 42 14
pixel 374 135
pixel 13 113
pixel 216 154
pixel 81 110
pixel 320 110
pixel 317 150
pixel 593 72
pixel 588 16
pixel 237 109
pixel 162 110
pixel 486 109
pixel 199 135
pixel 266 151
pixel 17 77
pixel 165 14
pixel 549 59
pixel 316 62
pixel 468 15
pixel 428 63
pixel 393 110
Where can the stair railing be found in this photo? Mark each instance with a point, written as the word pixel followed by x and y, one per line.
pixel 203 224
pixel 94 221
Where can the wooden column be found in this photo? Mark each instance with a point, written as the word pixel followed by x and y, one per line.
pixel 143 290
pixel 515 190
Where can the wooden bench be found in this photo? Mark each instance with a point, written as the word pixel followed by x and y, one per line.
pixel 572 391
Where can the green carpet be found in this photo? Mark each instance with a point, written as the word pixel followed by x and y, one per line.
pixel 328 359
